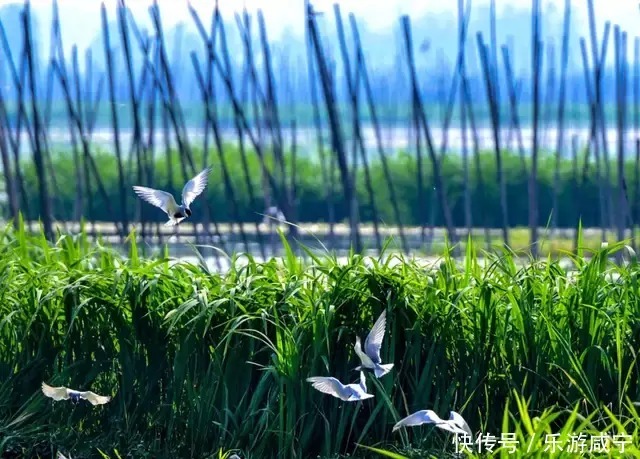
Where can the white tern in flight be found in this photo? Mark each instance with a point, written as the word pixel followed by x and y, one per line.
pixel 165 201
pixel 455 424
pixel 370 358
pixel 348 393
pixel 63 393
pixel 272 213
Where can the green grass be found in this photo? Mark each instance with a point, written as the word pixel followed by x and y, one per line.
pixel 555 245
pixel 201 364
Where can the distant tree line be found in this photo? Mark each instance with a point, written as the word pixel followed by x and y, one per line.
pixel 315 195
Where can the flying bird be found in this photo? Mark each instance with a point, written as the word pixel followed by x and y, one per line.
pixel 455 424
pixel 348 393
pixel 63 393
pixel 165 201
pixel 370 358
pixel 458 421
pixel 272 213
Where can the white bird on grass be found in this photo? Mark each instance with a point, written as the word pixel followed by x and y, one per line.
pixel 165 201
pixel 455 424
pixel 370 358
pixel 348 393
pixel 63 393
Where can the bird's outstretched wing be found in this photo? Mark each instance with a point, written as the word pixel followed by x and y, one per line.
pixel 56 393
pixel 418 418
pixel 458 421
pixel 194 187
pixel 363 381
pixel 94 398
pixel 373 343
pixel 328 385
pixel 158 198
pixel 450 427
pixel 62 456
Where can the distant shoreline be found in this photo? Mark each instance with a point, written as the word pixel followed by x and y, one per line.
pixel 394 137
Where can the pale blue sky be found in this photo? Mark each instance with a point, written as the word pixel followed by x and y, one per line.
pixel 81 17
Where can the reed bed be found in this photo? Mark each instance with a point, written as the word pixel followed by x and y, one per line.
pixel 200 363
pixel 165 108
pixel 311 200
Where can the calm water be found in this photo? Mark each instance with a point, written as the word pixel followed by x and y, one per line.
pixel 394 138
pixel 218 262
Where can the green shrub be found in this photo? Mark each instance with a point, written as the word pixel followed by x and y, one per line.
pixel 312 190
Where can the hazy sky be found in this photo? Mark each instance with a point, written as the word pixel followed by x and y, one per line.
pixel 81 18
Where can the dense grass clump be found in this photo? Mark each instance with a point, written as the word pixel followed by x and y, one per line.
pixel 199 363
